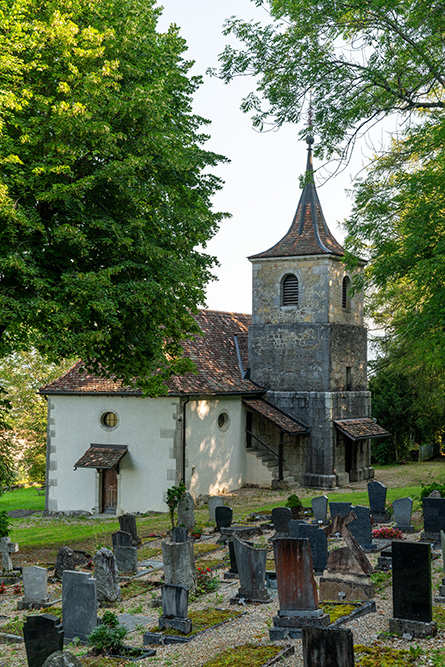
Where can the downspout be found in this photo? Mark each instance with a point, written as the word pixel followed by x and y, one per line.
pixel 184 432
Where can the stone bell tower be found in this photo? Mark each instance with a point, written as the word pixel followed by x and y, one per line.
pixel 308 343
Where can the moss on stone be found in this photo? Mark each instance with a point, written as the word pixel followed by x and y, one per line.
pixel 248 655
pixel 337 610
pixel 203 619
pixel 383 656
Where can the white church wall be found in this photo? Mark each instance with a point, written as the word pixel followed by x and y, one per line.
pixel 215 451
pixel 256 472
pixel 147 426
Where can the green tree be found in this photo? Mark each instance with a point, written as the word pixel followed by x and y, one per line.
pixel 105 189
pixel 7 445
pixel 359 59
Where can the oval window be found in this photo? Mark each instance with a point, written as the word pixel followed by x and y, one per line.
pixel 223 421
pixel 109 419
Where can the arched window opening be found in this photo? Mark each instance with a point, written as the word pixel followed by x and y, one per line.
pixel 346 293
pixel 290 290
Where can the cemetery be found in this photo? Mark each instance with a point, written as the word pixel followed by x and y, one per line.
pixel 356 580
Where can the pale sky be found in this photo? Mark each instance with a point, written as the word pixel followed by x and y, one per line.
pixel 261 182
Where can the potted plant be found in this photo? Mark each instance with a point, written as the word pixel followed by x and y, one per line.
pixel 197 531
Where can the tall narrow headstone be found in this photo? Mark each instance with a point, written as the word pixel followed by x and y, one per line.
pixel 127 523
pixel 320 509
pixel 35 588
pixel 297 590
pixel 251 562
pixel 440 599
pixel 223 517
pixel 280 518
pixel 179 564
pixel 377 502
pixel 433 518
pixel 179 534
pixel 402 508
pixel 126 560
pixel 186 511
pixel 317 540
pixel 107 577
pixel 43 635
pixel 361 527
pixel 214 502
pixel 175 608
pixel 411 592
pixel 79 604
pixel 328 647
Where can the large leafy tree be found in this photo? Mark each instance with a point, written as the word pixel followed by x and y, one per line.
pixel 360 60
pixel 105 192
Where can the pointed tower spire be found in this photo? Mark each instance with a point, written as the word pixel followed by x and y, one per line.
pixel 308 233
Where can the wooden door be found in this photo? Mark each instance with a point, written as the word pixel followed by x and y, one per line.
pixel 109 490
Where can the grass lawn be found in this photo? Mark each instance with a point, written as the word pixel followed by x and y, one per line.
pixel 19 499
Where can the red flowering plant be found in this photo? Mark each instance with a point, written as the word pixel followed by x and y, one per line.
pixel 206 582
pixel 2 589
pixel 17 589
pixel 387 533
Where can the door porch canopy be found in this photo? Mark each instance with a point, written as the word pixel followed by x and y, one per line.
pixel 105 457
pixel 361 429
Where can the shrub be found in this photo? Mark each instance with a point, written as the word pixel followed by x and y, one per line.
pixel 108 637
pixel 428 488
pixel 5 524
pixel 295 504
pixel 174 495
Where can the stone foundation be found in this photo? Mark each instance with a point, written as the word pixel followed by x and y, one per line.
pixel 346 590
pixel 418 629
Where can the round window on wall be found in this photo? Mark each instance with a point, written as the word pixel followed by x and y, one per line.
pixel 223 421
pixel 109 420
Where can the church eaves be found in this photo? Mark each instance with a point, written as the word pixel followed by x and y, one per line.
pixel 308 233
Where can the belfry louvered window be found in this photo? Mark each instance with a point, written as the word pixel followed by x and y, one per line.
pixel 290 290
pixel 345 294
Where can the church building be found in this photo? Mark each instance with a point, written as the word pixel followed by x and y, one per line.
pixel 279 396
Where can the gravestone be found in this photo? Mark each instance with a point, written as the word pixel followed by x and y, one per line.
pixel 320 509
pixel 107 577
pixel 223 517
pixel 174 609
pixel 328 647
pixel 339 508
pixel 441 597
pixel 317 540
pixel 433 518
pixel 361 527
pixel 186 511
pixel 7 548
pixel 214 502
pixel 79 604
pixel 411 592
pixel 126 560
pixel 280 518
pixel 127 523
pixel 35 588
pixel 403 508
pixel 179 534
pixel 179 564
pixel 251 562
pixel 62 659
pixel 384 561
pixel 66 560
pixel 43 636
pixel 297 590
pixel 121 539
pixel 348 570
pixel 377 502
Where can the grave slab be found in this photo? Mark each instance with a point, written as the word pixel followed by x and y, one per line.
pixel 403 508
pixel 79 604
pixel 325 647
pixel 377 502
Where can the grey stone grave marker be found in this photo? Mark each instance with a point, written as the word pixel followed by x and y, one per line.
pixel 361 527
pixel 127 523
pixel 121 539
pixel 179 534
pixel 79 604
pixel 223 517
pixel 433 518
pixel 179 564
pixel 126 560
pixel 297 590
pixel 7 548
pixel 280 518
pixel 107 577
pixel 377 501
pixel 317 540
pixel 62 659
pixel 65 560
pixel 251 562
pixel 214 502
pixel 43 635
pixel 186 511
pixel 174 609
pixel 35 588
pixel 411 592
pixel 339 508
pixel 320 509
pixel 402 509
pixel 328 647
pixel 440 599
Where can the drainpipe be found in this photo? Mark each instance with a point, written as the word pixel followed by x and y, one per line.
pixel 184 432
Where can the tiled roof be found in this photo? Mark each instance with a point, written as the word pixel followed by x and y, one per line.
pixel 358 429
pixel 284 422
pixel 308 233
pixel 214 354
pixel 101 456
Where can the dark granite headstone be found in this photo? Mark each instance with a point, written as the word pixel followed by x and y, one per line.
pixel 174 608
pixel 402 508
pixel 328 647
pixel 411 577
pixel 43 636
pixel 126 560
pixel 433 515
pixel 339 508
pixel 377 501
pixel 179 534
pixel 320 509
pixel 251 563
pixel 127 523
pixel 233 566
pixel 66 560
pixel 121 539
pixel 317 540
pixel 361 527
pixel 223 517
pixel 281 517
pixel 79 604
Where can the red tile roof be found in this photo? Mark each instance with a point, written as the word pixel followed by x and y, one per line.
pixel 101 456
pixel 214 353
pixel 358 429
pixel 284 422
